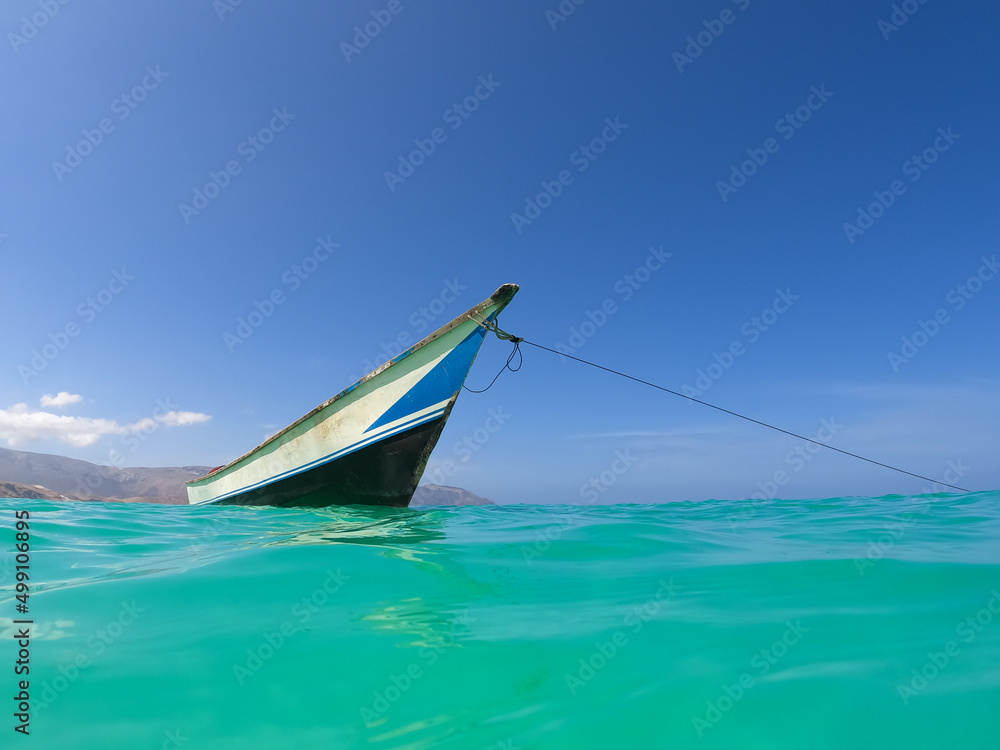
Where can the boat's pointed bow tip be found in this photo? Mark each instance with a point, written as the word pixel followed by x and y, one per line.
pixel 505 294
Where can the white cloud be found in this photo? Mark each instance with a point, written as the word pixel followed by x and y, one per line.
pixel 61 399
pixel 20 425
pixel 178 418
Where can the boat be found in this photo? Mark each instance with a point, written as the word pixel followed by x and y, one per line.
pixel 369 444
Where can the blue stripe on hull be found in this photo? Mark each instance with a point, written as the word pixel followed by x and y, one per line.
pixel 439 384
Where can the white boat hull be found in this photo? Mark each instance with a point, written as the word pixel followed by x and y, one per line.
pixel 369 444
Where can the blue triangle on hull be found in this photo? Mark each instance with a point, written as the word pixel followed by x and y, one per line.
pixel 439 384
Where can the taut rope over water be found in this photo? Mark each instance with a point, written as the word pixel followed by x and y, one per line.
pixel 501 334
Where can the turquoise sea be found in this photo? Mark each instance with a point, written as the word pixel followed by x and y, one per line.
pixel 841 623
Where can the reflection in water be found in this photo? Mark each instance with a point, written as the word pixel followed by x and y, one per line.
pixel 141 541
pixel 432 627
pixel 416 538
pixel 402 534
pixel 373 525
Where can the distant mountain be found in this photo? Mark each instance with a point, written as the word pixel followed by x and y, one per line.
pixel 33 492
pixel 437 494
pixel 72 479
pixel 70 476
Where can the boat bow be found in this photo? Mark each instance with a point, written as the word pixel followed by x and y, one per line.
pixel 368 444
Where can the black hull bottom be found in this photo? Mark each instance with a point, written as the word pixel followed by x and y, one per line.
pixel 385 473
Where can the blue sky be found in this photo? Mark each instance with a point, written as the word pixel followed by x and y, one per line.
pixel 813 185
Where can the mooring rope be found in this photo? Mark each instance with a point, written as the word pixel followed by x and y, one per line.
pixel 520 361
pixel 492 326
